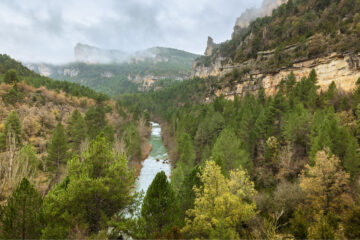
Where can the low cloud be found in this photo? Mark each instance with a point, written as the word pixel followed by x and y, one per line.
pixel 47 31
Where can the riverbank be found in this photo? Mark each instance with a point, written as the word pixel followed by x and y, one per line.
pixel 145 150
pixel 168 140
pixel 157 161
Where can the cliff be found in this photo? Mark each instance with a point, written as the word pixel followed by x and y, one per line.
pixel 343 69
pixel 288 36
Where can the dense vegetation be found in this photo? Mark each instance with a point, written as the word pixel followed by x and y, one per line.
pixel 295 153
pixel 74 150
pixel 34 79
pixel 114 79
pixel 257 167
pixel 296 30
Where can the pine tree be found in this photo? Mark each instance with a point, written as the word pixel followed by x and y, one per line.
pixel 11 77
pixel 160 206
pixel 185 163
pixel 77 130
pixel 290 83
pixel 95 119
pixel 57 148
pixel 12 129
pixel 186 193
pixel 97 187
pixel 22 217
pixel 228 148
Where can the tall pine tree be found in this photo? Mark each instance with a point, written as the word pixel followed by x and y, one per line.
pixel 160 207
pixel 22 216
pixel 76 130
pixel 97 187
pixel 57 148
pixel 12 131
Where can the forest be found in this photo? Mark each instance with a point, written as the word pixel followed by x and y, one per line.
pixel 259 166
pixel 296 155
pixel 256 167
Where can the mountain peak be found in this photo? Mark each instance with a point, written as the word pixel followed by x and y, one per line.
pixel 90 54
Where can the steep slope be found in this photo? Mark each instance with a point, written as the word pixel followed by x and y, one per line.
pixel 298 36
pixel 36 80
pixel 106 71
pixel 40 104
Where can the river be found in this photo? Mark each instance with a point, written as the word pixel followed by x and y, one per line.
pixel 157 161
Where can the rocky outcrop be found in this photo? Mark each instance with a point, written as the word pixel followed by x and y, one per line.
pixel 200 70
pixel 251 14
pixel 210 46
pixel 343 69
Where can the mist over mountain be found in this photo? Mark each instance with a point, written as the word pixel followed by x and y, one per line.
pixel 114 71
pixel 89 54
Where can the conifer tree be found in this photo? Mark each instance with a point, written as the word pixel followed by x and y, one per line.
pixel 186 193
pixel 11 77
pixel 290 83
pixel 228 148
pixel 77 130
pixel 97 187
pixel 160 206
pixel 95 119
pixel 22 216
pixel 12 129
pixel 57 148
pixel 186 159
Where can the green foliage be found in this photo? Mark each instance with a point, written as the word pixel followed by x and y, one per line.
pixel 296 125
pixel 178 64
pixel 352 224
pixel 95 120
pixel 185 163
pixel 13 96
pixel 8 64
pixel 221 205
pixel 97 187
pixel 12 130
pixel 22 216
pixel 160 207
pixel 186 194
pixel 109 133
pixel 228 148
pixel 326 132
pixel 57 148
pixel 295 31
pixel 132 141
pixel 76 131
pixel 11 77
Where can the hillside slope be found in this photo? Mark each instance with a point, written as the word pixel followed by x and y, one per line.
pixel 33 113
pixel 107 73
pixel 298 36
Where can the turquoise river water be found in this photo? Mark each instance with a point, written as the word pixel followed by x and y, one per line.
pixel 157 161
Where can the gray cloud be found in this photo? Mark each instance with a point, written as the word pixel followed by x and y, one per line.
pixel 38 30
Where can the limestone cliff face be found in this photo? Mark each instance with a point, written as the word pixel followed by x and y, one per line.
pixel 199 70
pixel 343 69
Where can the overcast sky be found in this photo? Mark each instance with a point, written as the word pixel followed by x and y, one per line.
pixel 48 30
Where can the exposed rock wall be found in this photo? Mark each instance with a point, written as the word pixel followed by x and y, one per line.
pixel 344 70
pixel 210 47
